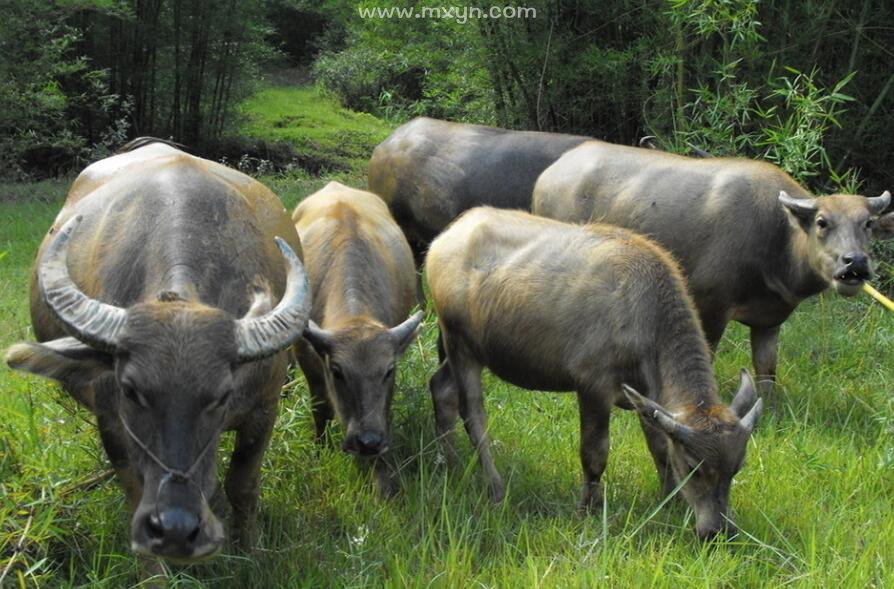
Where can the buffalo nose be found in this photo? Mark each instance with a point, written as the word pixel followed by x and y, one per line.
pixel 369 442
pixel 856 264
pixel 173 526
pixel 856 260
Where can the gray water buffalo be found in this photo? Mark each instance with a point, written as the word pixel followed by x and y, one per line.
pixel 363 278
pixel 153 301
pixel 430 171
pixel 594 309
pixel 752 242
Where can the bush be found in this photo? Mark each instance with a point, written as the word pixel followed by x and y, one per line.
pixel 362 78
pixel 44 82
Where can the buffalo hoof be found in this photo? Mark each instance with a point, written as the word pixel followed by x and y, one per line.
pixel 591 498
pixel 497 491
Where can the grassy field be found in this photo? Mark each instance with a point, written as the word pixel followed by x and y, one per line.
pixel 815 501
pixel 314 124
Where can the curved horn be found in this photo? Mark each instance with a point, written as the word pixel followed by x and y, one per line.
pixel 672 427
pixel 656 414
pixel 648 142
pixel 259 337
pixel 404 333
pixel 799 206
pixel 95 323
pixel 698 151
pixel 749 422
pixel 877 204
pixel 745 397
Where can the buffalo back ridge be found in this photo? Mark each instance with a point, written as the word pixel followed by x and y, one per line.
pixel 429 171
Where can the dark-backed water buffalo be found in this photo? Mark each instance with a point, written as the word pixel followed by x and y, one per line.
pixel 152 297
pixel 430 171
pixel 594 309
pixel 363 278
pixel 752 242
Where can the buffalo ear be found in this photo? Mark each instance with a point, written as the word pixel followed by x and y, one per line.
pixel 319 338
pixel 801 208
pixel 74 364
pixel 884 227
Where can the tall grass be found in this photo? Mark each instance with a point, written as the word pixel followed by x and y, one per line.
pixel 814 500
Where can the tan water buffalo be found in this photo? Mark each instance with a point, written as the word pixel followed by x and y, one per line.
pixel 594 309
pixel 430 171
pixel 363 278
pixel 153 298
pixel 752 242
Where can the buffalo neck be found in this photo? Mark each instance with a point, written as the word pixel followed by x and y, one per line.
pixel 803 281
pixel 684 360
pixel 787 271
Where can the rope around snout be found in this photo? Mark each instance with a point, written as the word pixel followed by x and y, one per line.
pixel 888 303
pixel 170 473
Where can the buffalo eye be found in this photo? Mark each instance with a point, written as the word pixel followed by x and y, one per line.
pixel 695 467
pixel 821 223
pixel 389 372
pixel 868 224
pixel 133 396
pixel 336 371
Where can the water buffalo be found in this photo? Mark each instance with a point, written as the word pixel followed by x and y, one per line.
pixel 430 171
pixel 152 299
pixel 594 309
pixel 752 242
pixel 363 278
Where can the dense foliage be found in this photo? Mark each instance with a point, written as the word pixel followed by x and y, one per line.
pixel 807 85
pixel 804 84
pixel 80 77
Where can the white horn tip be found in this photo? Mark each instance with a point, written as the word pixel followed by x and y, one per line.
pixel 284 247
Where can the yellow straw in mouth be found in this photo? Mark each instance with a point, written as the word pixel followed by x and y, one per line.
pixel 888 303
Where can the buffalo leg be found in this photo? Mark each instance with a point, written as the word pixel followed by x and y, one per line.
pixel 714 326
pixel 467 373
pixel 321 406
pixel 445 398
pixel 594 445
pixel 243 478
pixel 657 443
pixel 764 346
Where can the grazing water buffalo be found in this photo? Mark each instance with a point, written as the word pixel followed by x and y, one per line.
pixel 751 241
pixel 430 171
pixel 364 285
pixel 152 297
pixel 593 309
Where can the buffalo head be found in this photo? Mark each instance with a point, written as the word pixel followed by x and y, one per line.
pixel 838 229
pixel 165 377
pixel 706 448
pixel 360 361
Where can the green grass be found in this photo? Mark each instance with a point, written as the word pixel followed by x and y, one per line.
pixel 814 500
pixel 313 124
